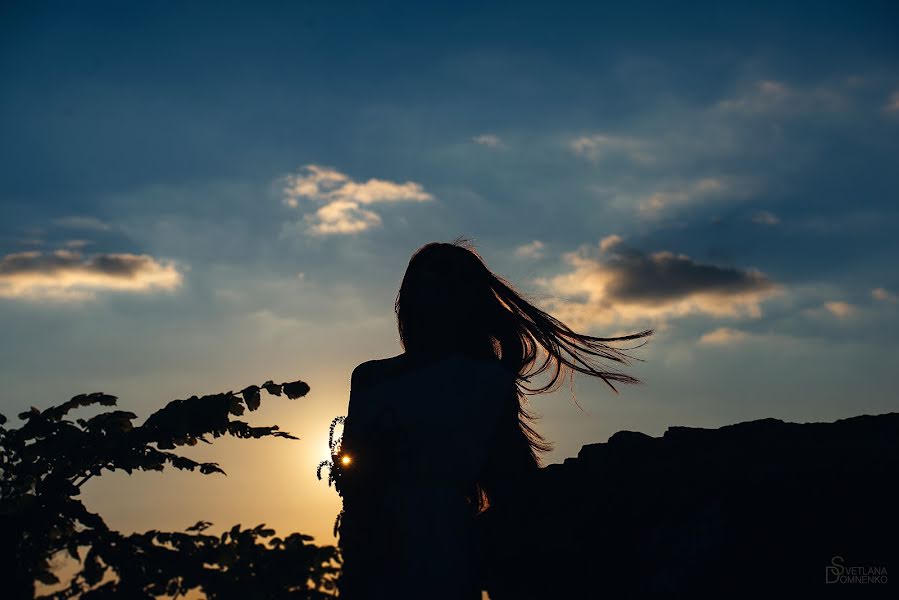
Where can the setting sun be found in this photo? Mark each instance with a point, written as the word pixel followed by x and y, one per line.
pixel 346 460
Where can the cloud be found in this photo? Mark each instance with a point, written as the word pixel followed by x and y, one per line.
pixel 621 285
pixel 83 223
pixel 531 250
pixel 764 96
pixel 723 336
pixel 883 295
pixel 893 104
pixel 597 147
pixel 488 139
pixel 342 216
pixel 701 189
pixel 609 241
pixel 775 97
pixel 345 201
pixel 763 217
pixel 66 275
pixel 840 309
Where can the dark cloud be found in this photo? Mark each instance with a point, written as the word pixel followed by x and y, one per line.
pixel 661 277
pixel 66 275
pixel 619 284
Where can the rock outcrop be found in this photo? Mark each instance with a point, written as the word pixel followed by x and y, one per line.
pixel 762 506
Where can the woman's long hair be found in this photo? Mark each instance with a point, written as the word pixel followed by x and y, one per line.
pixel 450 301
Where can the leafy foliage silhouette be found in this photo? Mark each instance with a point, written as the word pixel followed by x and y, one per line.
pixel 45 462
pixel 334 464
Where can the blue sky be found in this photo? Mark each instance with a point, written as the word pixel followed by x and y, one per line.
pixel 198 197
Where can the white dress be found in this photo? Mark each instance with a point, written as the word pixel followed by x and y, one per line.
pixel 421 433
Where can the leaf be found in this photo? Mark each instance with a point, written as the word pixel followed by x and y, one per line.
pixel 93 570
pixel 252 397
pixel 46 577
pixel 56 413
pixel 209 468
pixel 200 526
pixel 117 421
pixel 235 407
pixel 182 463
pixel 29 414
pixel 296 389
pixel 272 388
pixel 332 442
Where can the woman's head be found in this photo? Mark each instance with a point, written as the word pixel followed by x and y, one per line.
pixel 450 301
pixel 445 301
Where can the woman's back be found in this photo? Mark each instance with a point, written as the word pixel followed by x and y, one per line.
pixel 417 435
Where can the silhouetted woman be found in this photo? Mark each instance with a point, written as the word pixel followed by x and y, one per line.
pixel 438 433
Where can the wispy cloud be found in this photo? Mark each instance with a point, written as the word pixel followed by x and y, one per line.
pixel 345 203
pixel 596 147
pixel 621 285
pixel 723 336
pixel 840 309
pixel 763 217
pixel 609 241
pixel 695 191
pixel 83 223
pixel 490 140
pixel 65 275
pixel 763 96
pixel 883 295
pixel 530 250
pixel 893 103
pixel 776 97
